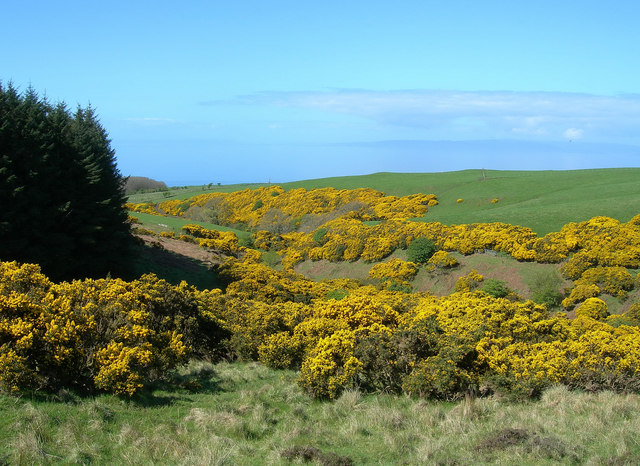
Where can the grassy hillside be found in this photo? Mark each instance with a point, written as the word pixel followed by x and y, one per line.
pixel 169 265
pixel 158 223
pixel 541 200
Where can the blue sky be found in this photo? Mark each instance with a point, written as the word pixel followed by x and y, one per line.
pixel 250 91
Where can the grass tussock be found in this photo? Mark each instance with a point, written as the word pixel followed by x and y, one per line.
pixel 248 414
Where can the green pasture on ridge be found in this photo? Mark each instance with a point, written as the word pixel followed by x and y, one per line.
pixel 541 200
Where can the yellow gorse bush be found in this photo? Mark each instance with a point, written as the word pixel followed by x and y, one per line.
pixel 224 241
pixel 98 334
pixel 395 268
pixel 442 260
pixel 615 281
pixel 253 207
pixel 593 308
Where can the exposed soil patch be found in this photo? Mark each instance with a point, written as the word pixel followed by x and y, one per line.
pixel 503 439
pixel 323 269
pixel 308 453
pixel 544 446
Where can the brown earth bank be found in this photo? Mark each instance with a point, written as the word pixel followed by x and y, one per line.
pixel 175 260
pixel 206 256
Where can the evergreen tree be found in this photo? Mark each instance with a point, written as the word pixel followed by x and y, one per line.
pixel 61 194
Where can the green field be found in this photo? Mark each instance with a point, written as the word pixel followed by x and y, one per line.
pixel 541 200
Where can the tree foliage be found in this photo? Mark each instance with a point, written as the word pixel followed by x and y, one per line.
pixel 61 192
pixel 142 183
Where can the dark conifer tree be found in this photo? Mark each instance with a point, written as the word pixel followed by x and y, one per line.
pixel 61 194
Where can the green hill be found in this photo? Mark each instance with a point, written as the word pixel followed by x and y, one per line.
pixel 541 200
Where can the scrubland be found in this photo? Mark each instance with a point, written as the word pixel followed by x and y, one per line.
pixel 349 327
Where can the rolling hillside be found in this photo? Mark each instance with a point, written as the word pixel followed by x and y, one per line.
pixel 541 200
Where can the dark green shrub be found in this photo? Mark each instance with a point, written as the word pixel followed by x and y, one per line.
pixel 400 286
pixel 388 360
pixel 420 250
pixel 437 378
pixel 495 288
pixel 446 375
pixel 246 241
pixel 270 258
pixel 377 353
pixel 545 289
pixel 337 294
pixel 320 236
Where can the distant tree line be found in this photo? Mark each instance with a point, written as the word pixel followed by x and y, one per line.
pixel 61 194
pixel 142 183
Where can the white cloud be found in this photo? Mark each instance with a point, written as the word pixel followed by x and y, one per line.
pixel 573 133
pixel 534 115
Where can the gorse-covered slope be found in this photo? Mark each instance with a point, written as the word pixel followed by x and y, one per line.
pixel 541 200
pixel 375 334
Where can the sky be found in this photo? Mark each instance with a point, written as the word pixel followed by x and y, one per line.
pixel 197 92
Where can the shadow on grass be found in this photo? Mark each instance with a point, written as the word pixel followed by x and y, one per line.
pixel 172 267
pixel 202 380
pixel 163 392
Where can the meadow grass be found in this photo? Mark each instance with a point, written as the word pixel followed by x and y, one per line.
pixel 247 414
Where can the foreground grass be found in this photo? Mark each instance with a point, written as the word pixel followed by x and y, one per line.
pixel 247 414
